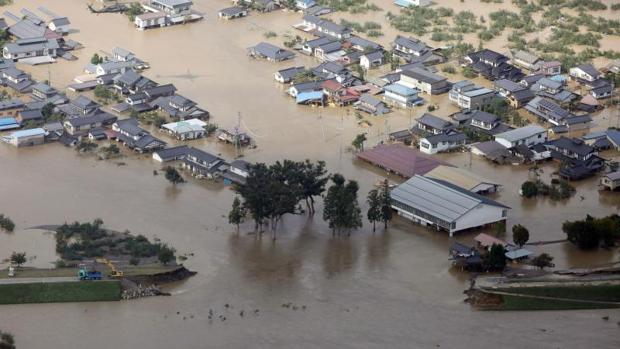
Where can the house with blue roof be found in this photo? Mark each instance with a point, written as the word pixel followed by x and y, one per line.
pixel 8 124
pixel 412 3
pixel 25 138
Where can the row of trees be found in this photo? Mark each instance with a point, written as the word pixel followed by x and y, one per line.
pixel 271 192
pixel 593 232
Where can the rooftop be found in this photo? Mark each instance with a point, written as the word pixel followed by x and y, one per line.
pixel 400 159
pixel 439 198
pixel 521 133
pixel 458 176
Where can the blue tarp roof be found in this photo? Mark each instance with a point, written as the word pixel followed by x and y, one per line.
pixel 8 124
pixel 309 96
pixel 559 78
pixel 7 121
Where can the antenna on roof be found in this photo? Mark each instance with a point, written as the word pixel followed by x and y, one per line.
pixel 236 135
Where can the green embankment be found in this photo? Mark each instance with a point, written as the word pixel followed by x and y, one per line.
pixel 84 291
pixel 601 293
pixel 570 297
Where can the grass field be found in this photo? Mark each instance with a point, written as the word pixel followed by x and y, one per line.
pixel 603 293
pixel 130 270
pixel 85 291
pixel 523 303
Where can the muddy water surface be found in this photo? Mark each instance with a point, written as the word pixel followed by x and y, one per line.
pixel 390 289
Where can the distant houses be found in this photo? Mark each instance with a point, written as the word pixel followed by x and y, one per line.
pixel 326 27
pixel 160 13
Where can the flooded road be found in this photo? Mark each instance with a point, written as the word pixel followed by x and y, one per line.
pixel 392 289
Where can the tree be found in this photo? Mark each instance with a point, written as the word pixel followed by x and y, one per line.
pixel 173 176
pixel 86 146
pixel 529 189
pixel 496 258
pixel 6 340
pixel 386 204
pixel 165 254
pixel 582 233
pixel 358 141
pixel 134 10
pixel 542 261
pixel 96 59
pixel 103 93
pixel 18 258
pixel 520 235
pixel 237 213
pixel 270 192
pixel 48 110
pixel 310 177
pixel 341 209
pixel 6 223
pixel 374 208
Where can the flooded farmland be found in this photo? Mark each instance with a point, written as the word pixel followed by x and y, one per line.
pixel 392 289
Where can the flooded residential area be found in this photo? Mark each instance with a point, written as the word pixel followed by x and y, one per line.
pixel 407 284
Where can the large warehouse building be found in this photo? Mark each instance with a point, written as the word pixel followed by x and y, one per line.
pixel 434 202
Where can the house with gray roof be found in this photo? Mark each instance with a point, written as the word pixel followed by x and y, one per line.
pixel 442 142
pixel 233 12
pixel 134 137
pixel 203 165
pixel 466 95
pixel 26 29
pixel 60 25
pixel 131 82
pixel 408 46
pixel 429 123
pixel 30 48
pixel 310 45
pixel 528 135
pixel 327 27
pixel 83 124
pixel 270 52
pixel 584 73
pixel 444 206
pixel 371 105
pixel 180 108
pixel 424 81
pixel 372 59
pixel 526 60
pixel 287 75
pixel 17 79
pixel 547 110
pixel 361 44
pixel 42 91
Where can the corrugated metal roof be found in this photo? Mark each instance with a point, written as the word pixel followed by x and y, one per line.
pixel 28 133
pixel 521 133
pixel 436 198
pixel 458 176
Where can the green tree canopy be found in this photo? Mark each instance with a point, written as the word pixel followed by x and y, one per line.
pixel 374 208
pixel 173 176
pixel 341 209
pixel 520 235
pixel 18 258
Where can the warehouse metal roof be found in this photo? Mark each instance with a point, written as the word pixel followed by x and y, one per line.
pixel 438 198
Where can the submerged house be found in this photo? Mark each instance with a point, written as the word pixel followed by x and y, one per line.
pixel 424 81
pixel 133 136
pixel 287 75
pixel 202 164
pixel 371 105
pixel 30 48
pixel 270 52
pixel 402 96
pixel 464 179
pixel 445 206
pixel 185 130
pixel 180 108
pixel 584 73
pixel 528 135
pixel 17 79
pixel 81 125
pixel 327 27
pixel 466 95
pixel 429 123
pixel 233 12
pixel 578 159
pixel 438 143
pixel 492 65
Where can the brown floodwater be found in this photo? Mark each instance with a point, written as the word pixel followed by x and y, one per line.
pixel 389 289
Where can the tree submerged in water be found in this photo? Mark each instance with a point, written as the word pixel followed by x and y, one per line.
pixel 173 176
pixel 270 192
pixel 7 341
pixel 6 223
pixel 341 209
